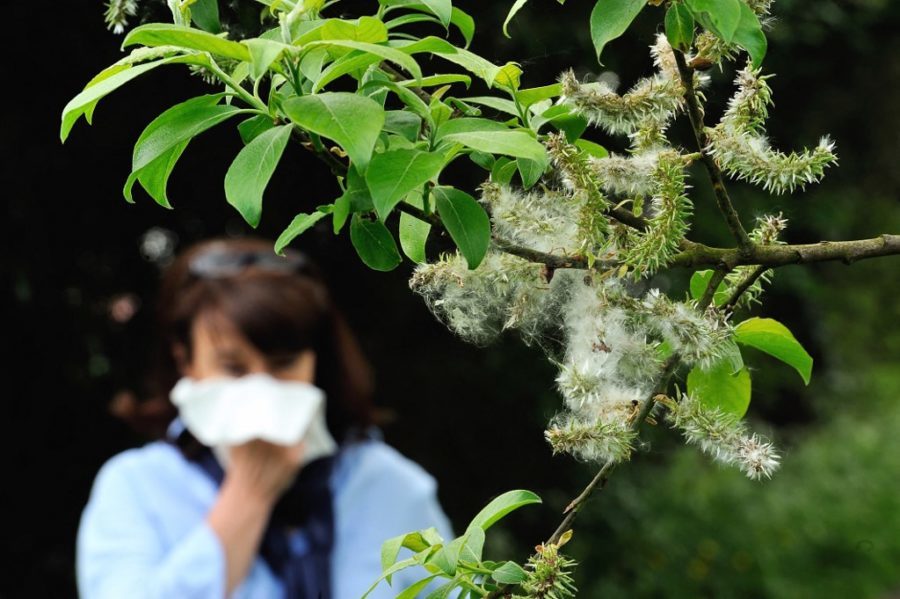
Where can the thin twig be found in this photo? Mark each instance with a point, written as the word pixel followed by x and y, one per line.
pixel 695 113
pixel 744 285
pixel 710 293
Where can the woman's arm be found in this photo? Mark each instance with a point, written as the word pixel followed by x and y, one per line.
pixel 258 473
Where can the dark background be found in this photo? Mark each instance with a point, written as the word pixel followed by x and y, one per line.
pixel 670 523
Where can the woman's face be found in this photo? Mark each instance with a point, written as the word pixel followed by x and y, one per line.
pixel 222 351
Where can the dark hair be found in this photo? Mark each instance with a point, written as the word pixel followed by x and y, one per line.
pixel 280 305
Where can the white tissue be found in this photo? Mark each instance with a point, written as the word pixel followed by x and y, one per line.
pixel 222 412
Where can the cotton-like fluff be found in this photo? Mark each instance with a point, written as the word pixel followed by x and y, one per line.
pixel 670 209
pixel 542 220
pixel 652 100
pixel 723 436
pixel 645 110
pixel 626 175
pixel 698 338
pixel 608 370
pixel 504 292
pixel 748 156
pixel 118 13
pixel 739 145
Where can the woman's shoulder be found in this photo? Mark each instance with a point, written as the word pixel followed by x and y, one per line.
pixel 142 468
pixel 372 463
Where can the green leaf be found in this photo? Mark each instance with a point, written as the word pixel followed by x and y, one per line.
pixel 719 388
pixel 465 23
pixel 409 19
pixel 680 27
pixel 436 80
pixel 501 104
pixel 533 95
pixel 466 221
pixel 177 124
pixel 403 122
pixel 351 120
pixel 374 243
pixel 467 125
pixel 473 546
pixel 503 170
pixel 719 16
pixel 443 592
pixel 154 177
pixel 105 82
pixel 516 7
pixel 249 129
pixel 732 356
pixel 205 15
pixel 417 541
pixel 470 61
pixel 301 223
pixel 593 149
pixel 413 232
pixel 365 29
pixel 610 19
pixel 412 591
pixel 517 144
pixel 401 565
pixel 483 159
pixel 373 50
pixel 263 53
pixel 249 174
pixel 408 97
pixel 509 573
pixel 165 34
pixel 358 192
pixel 389 551
pixel 341 212
pixel 700 281
pixel 393 174
pixel 530 171
pixel 775 339
pixel 442 9
pixel 501 506
pixel 750 36
pixel 509 76
pixel 569 122
pixel 447 557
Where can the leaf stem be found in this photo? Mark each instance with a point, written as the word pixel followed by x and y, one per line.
pixel 243 93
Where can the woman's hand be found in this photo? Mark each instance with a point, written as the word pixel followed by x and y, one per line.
pixel 263 469
pixel 258 473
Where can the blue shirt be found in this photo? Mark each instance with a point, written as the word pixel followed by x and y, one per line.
pixel 143 533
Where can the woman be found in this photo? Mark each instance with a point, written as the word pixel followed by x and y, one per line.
pixel 167 520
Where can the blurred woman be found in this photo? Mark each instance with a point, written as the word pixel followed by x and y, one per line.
pixel 178 518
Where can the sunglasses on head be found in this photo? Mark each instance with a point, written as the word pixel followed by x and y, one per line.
pixel 220 262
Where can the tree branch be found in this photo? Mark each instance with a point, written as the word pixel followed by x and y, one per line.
pixel 695 113
pixel 699 255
